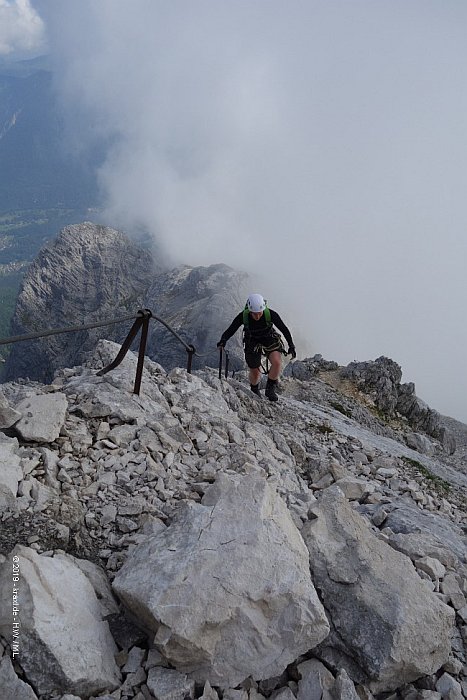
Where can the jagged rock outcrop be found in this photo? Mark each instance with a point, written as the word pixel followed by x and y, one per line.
pixel 125 471
pixel 381 379
pixel 92 273
pixel 309 367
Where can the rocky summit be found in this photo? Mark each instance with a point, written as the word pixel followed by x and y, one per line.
pixel 196 541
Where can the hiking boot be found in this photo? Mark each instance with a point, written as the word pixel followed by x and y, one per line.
pixel 255 389
pixel 271 389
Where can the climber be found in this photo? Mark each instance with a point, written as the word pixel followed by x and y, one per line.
pixel 259 338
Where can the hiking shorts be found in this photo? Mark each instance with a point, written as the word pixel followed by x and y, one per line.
pixel 254 352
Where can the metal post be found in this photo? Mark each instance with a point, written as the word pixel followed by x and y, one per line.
pixel 142 351
pixel 125 346
pixel 190 352
pixel 220 362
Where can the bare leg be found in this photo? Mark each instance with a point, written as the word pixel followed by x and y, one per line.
pixel 275 361
pixel 255 376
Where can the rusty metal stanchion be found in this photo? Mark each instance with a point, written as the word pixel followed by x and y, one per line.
pixel 142 321
pixel 220 361
pixel 142 349
pixel 223 351
pixel 191 351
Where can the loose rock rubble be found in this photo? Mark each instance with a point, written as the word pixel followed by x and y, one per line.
pixel 195 541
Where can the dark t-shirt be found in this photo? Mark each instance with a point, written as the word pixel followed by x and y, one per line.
pixel 258 331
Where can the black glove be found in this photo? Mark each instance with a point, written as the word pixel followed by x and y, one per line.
pixel 291 351
pixel 221 344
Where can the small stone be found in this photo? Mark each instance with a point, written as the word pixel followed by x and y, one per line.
pixel 135 660
pixel 449 687
pixel 166 684
pixel 431 566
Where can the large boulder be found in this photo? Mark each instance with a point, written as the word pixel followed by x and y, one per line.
pixel 63 644
pixel 388 627
pixel 226 587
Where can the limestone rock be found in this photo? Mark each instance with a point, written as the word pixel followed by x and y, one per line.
pixel 10 464
pixel 408 519
pixel 316 681
pixel 81 277
pixel 65 645
pixel 12 687
pixel 8 416
pixel 344 688
pixel 383 616
pixel 183 297
pixel 166 684
pixel 421 443
pixel 43 416
pixel 224 606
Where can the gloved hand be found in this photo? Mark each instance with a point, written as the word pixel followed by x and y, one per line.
pixel 221 344
pixel 291 351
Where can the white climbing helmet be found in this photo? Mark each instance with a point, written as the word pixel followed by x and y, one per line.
pixel 255 303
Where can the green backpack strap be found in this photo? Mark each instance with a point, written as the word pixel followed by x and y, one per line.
pixel 246 317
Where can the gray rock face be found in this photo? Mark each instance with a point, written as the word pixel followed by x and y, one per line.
pixel 42 417
pixel 65 646
pixel 200 303
pixel 93 273
pixel 10 464
pixel 388 628
pixel 381 378
pixel 404 518
pixel 88 273
pixel 11 686
pixel 307 368
pixel 223 605
pixel 8 416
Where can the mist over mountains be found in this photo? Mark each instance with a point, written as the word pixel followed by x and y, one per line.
pixel 193 540
pixel 37 169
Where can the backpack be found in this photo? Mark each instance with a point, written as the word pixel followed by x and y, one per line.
pixel 246 317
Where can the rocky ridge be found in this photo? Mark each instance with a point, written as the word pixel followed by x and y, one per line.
pixel 200 542
pixel 93 273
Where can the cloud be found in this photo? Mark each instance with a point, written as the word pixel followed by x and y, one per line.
pixel 319 145
pixel 21 29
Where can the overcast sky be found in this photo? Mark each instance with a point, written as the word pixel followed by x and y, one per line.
pixel 319 143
